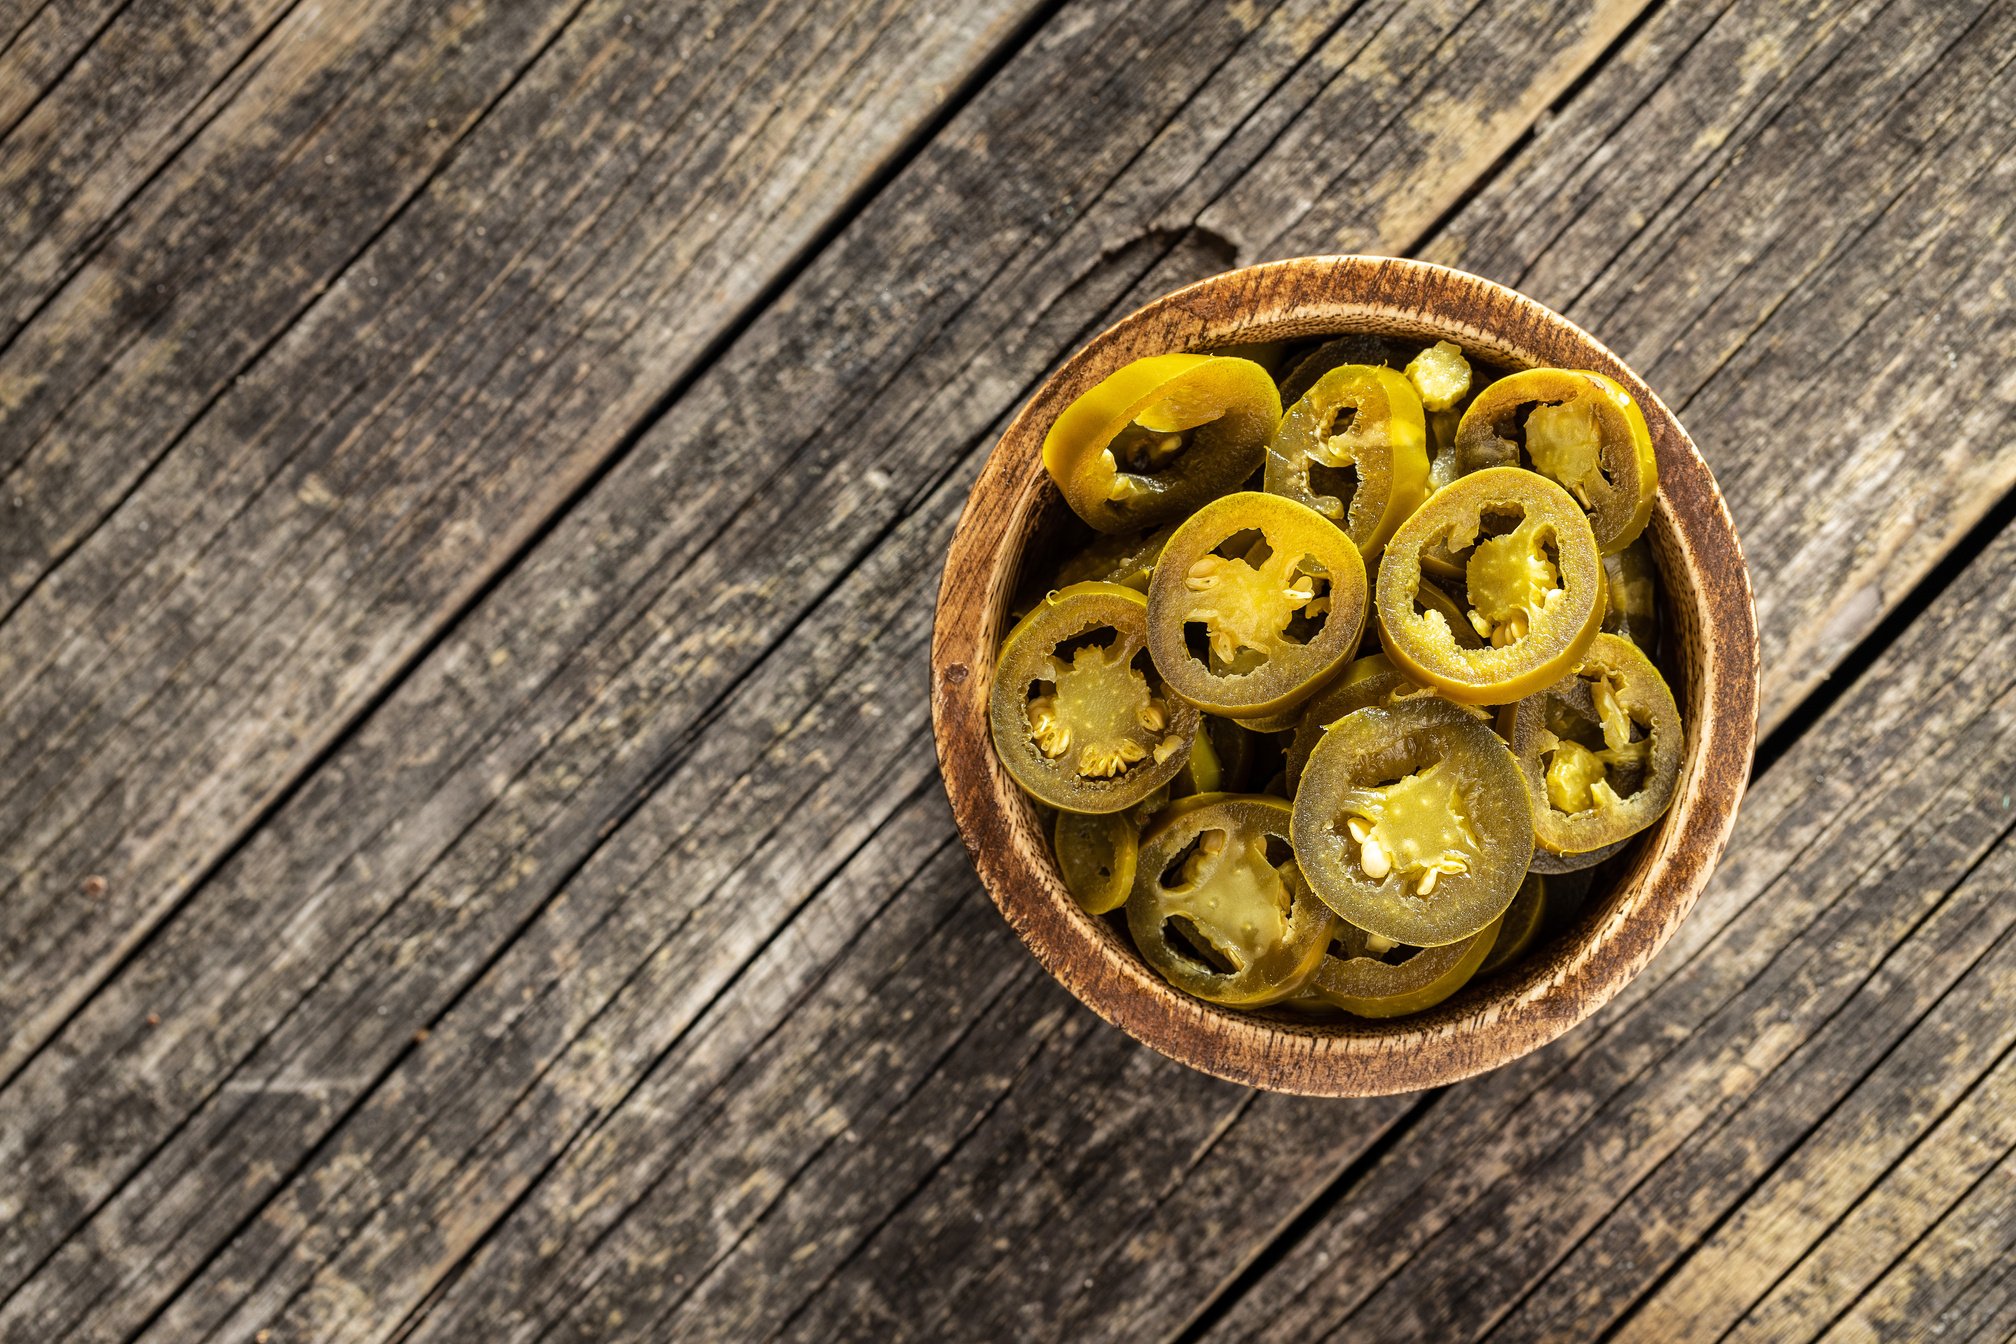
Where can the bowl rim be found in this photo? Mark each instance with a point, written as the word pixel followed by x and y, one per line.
pixel 1481 1028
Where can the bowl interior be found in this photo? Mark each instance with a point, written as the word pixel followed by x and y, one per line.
pixel 1641 894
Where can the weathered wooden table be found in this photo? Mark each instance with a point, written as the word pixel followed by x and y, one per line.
pixel 472 484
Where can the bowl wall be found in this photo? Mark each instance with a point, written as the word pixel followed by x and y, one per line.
pixel 1713 654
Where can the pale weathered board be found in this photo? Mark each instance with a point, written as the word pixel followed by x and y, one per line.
pixel 620 973
pixel 364 357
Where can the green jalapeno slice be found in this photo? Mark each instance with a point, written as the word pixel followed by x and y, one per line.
pixel 1079 714
pixel 1412 822
pixel 1633 581
pixel 1534 588
pixel 1574 427
pixel 1219 905
pixel 1256 600
pixel 1600 750
pixel 1160 437
pixel 1440 375
pixel 1369 976
pixel 1354 449
pixel 1371 680
pixel 1095 857
pixel 1519 926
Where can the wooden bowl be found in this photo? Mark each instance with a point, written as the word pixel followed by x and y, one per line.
pixel 1710 619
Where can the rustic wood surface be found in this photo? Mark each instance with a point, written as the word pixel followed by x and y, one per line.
pixel 472 485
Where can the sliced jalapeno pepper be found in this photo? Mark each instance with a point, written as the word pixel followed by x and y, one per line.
pixel 1441 376
pixel 1354 449
pixel 1634 605
pixel 1123 558
pixel 1412 822
pixel 1600 750
pixel 1534 588
pixel 1371 680
pixel 1203 773
pixel 1256 600
pixel 1368 976
pixel 1095 857
pixel 1519 926
pixel 1079 714
pixel 1351 348
pixel 1160 437
pixel 1577 428
pixel 1559 865
pixel 1219 906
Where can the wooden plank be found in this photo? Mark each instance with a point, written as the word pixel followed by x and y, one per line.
pixel 1749 94
pixel 558 691
pixel 1853 1212
pixel 42 41
pixel 1842 917
pixel 75 152
pixel 1947 1279
pixel 1806 218
pixel 896 1242
pixel 321 514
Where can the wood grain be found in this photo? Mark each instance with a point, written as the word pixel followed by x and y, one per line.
pixel 333 494
pixel 1065 287
pixel 393 879
pixel 1708 612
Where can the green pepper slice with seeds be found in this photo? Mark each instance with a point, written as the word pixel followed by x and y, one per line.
pixel 1519 926
pixel 1600 750
pixel 1095 857
pixel 1534 589
pixel 1369 976
pixel 1255 602
pixel 1633 581
pixel 1079 715
pixel 1578 429
pixel 1161 436
pixel 1412 822
pixel 1220 907
pixel 1354 449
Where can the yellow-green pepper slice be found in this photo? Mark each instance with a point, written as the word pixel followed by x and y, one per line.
pixel 1633 580
pixel 1600 750
pixel 1354 449
pixel 1519 926
pixel 1559 865
pixel 1256 600
pixel 1371 680
pixel 1219 906
pixel 1095 857
pixel 1079 715
pixel 1161 436
pixel 1534 588
pixel 1355 347
pixel 1440 375
pixel 1574 427
pixel 1412 822
pixel 1127 559
pixel 1368 976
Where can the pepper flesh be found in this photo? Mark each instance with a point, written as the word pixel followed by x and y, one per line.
pixel 1079 716
pixel 1095 857
pixel 1398 980
pixel 1579 429
pixel 1161 436
pixel 1412 822
pixel 1535 592
pixel 1273 630
pixel 1254 931
pixel 1354 449
pixel 1600 750
pixel 1519 926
